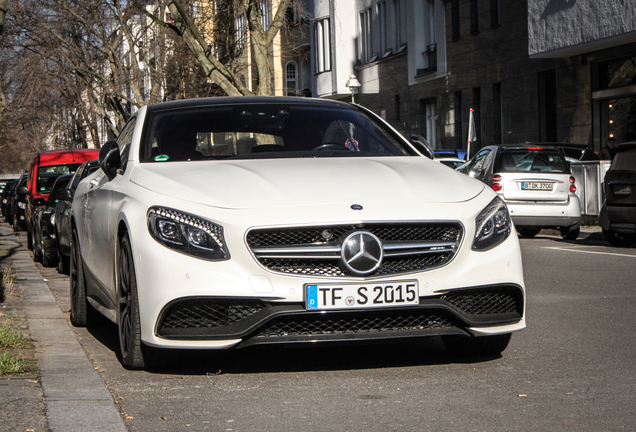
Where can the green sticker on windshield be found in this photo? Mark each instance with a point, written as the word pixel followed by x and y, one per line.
pixel 161 158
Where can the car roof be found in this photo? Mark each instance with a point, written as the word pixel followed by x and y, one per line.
pixel 240 100
pixel 625 146
pixel 53 157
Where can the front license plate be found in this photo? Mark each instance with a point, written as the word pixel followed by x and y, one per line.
pixel 536 186
pixel 622 189
pixel 361 296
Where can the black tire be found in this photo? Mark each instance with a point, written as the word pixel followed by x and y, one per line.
pixel 571 232
pixel 477 346
pixel 132 351
pixel 528 232
pixel 49 253
pixel 619 239
pixel 82 313
pixel 37 249
pixel 63 263
pixel 15 225
pixel 29 240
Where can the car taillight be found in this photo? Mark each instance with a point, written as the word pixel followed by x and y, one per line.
pixel 496 186
pixel 572 187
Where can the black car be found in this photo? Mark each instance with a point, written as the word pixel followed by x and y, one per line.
pixel 4 198
pixel 618 213
pixel 62 213
pixel 44 239
pixel 16 205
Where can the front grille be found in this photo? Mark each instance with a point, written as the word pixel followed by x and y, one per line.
pixel 487 300
pixel 208 313
pixel 318 326
pixel 316 251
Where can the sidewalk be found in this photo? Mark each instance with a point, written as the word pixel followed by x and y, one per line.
pixel 74 396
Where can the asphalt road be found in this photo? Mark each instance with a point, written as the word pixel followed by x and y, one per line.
pixel 572 369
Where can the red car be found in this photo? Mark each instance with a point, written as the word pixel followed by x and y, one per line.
pixel 44 170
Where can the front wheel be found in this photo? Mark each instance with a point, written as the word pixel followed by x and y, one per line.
pixel 528 232
pixel 131 348
pixel 619 239
pixel 82 313
pixel 476 346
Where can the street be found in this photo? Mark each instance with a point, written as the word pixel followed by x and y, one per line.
pixel 572 369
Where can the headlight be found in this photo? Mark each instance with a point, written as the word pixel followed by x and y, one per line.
pixel 187 234
pixel 22 205
pixel 493 225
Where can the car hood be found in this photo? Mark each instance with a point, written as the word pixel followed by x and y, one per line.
pixel 265 183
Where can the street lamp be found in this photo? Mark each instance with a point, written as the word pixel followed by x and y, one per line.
pixel 353 84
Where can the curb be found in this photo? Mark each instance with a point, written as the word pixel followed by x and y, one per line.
pixel 75 396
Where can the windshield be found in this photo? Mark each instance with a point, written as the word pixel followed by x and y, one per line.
pixel 48 174
pixel 266 131
pixel 531 160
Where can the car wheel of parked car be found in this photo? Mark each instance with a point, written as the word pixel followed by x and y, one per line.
pixel 37 250
pixel 15 225
pixel 619 239
pixel 571 232
pixel 476 346
pixel 528 232
pixel 49 253
pixel 62 262
pixel 82 313
pixel 131 347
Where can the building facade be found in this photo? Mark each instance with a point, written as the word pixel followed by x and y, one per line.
pixel 532 71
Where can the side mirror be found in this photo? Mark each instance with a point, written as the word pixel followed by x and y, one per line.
pixel 420 143
pixel 64 195
pixel 109 160
pixel 22 190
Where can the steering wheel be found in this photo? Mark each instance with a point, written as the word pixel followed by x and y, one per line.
pixel 328 146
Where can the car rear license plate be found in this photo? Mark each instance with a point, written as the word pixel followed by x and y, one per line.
pixel 361 296
pixel 536 186
pixel 622 190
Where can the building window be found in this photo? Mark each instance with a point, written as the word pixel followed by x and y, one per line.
pixel 396 26
pixel 426 43
pixel 474 16
pixel 265 15
pixel 323 45
pixel 494 14
pixel 291 82
pixel 366 36
pixel 382 18
pixel 547 106
pixel 455 19
pixel 428 123
pixel 240 31
pixel 497 118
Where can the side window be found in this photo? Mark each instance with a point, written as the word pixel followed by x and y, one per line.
pixel 124 140
pixel 480 164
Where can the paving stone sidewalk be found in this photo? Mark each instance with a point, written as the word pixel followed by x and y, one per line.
pixel 69 395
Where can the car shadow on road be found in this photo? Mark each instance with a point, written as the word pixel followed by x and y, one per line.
pixel 296 358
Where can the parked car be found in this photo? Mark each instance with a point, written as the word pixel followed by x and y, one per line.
pixel 230 222
pixel 44 239
pixel 450 153
pixel 17 205
pixel 63 212
pixel 451 162
pixel 618 213
pixel 45 168
pixel 4 197
pixel 535 182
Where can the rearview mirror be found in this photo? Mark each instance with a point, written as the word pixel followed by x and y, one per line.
pixel 64 195
pixel 422 145
pixel 109 159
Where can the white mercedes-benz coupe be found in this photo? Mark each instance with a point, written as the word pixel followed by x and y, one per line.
pixel 230 222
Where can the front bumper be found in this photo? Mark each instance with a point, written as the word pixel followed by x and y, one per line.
pixel 545 213
pixel 476 310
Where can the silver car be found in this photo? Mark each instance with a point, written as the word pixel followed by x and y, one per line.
pixel 536 183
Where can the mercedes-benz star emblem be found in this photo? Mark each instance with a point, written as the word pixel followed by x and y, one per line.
pixel 361 253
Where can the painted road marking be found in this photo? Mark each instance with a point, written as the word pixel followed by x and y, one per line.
pixel 591 252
